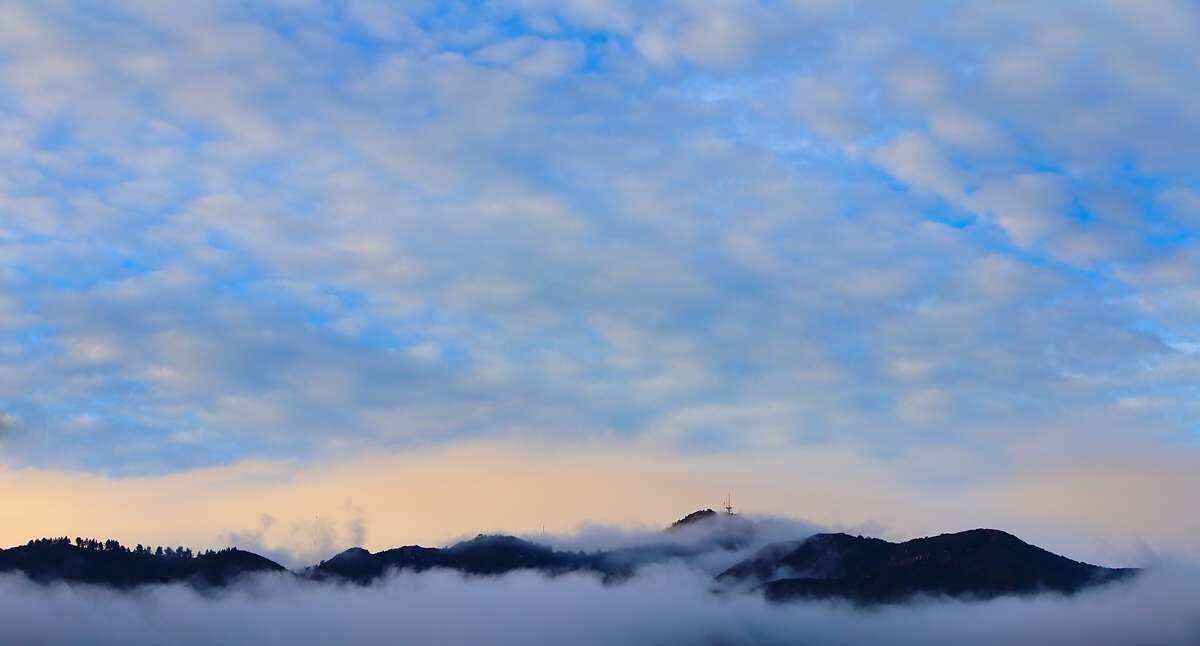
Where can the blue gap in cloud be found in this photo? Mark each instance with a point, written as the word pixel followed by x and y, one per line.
pixel 332 19
pixel 713 440
pixel 1080 213
pixel 1098 275
pixel 932 208
pixel 467 16
pixel 55 135
pixel 215 450
pixel 1170 233
pixel 596 44
pixel 123 445
pixel 35 341
pixel 393 337
pixel 94 174
pixel 73 280
pixel 942 213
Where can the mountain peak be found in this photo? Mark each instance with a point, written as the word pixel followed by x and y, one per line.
pixel 692 519
pixel 978 563
pixel 351 554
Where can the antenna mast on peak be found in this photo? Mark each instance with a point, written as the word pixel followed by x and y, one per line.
pixel 728 504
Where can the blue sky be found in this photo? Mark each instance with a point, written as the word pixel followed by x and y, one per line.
pixel 303 231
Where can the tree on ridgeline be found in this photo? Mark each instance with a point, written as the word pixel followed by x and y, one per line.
pixel 112 545
pixel 62 540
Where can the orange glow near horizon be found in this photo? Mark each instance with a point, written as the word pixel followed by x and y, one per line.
pixel 1100 510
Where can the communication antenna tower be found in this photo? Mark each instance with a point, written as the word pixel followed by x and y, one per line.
pixel 728 505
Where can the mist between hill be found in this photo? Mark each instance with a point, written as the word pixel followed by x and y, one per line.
pixel 664 605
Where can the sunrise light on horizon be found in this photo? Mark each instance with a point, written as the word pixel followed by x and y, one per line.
pixel 300 276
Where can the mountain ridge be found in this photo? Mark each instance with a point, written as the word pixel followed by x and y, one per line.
pixel 979 563
pixel 51 561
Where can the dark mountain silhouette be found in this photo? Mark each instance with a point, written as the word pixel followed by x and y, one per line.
pixel 480 556
pixel 692 519
pixel 980 563
pixel 57 560
pixel 712 530
pixel 976 564
pixel 495 555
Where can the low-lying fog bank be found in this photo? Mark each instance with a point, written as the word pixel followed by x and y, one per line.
pixel 662 605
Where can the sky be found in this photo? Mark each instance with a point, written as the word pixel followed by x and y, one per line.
pixel 302 275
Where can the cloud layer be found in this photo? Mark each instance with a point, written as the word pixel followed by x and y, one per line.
pixel 666 606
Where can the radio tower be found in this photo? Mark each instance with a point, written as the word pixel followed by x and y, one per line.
pixel 728 505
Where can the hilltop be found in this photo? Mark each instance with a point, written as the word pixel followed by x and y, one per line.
pixel 975 564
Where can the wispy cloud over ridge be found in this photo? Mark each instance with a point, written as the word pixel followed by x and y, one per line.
pixel 306 231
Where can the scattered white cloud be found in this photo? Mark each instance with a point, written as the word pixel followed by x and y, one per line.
pixel 232 231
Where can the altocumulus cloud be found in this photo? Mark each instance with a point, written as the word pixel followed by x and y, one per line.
pixel 663 606
pixel 284 229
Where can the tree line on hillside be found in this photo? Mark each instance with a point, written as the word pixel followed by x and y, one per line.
pixel 115 546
